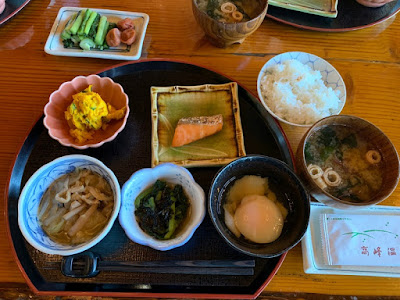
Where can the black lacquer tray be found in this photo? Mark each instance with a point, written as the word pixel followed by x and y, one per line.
pixel 11 9
pixel 129 152
pixel 351 16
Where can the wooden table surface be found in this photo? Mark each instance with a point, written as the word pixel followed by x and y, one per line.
pixel 367 59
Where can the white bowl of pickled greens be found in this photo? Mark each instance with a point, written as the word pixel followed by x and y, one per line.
pixel 69 205
pixel 161 207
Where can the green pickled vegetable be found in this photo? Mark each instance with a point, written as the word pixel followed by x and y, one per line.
pixel 94 16
pixel 141 196
pixel 103 37
pixel 101 31
pixel 85 19
pixel 86 29
pixel 77 23
pixel 68 43
pixel 87 44
pixel 171 223
pixel 161 209
pixel 75 39
pixel 66 33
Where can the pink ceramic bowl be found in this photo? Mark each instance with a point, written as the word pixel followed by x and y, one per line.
pixel 54 110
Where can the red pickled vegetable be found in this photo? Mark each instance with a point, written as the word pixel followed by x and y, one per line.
pixel 125 24
pixel 113 37
pixel 128 36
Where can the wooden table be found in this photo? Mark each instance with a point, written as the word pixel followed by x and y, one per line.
pixel 368 60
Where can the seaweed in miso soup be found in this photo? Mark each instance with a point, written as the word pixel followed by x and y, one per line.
pixel 344 164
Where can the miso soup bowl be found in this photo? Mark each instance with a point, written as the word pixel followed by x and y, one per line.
pixel 290 193
pixel 367 131
pixel 38 183
pixel 223 34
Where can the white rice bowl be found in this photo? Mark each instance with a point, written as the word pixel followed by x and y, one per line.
pixel 300 88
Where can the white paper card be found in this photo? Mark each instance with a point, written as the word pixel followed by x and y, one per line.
pixel 361 240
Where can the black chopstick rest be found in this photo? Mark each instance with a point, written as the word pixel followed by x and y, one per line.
pixel 81 265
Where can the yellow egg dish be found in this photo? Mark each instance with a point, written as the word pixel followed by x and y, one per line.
pixel 88 112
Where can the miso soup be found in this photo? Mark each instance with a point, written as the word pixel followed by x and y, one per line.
pixel 230 11
pixel 344 163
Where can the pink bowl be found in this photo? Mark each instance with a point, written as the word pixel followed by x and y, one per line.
pixel 54 110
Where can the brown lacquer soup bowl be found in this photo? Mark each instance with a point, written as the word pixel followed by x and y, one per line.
pixel 220 28
pixel 347 162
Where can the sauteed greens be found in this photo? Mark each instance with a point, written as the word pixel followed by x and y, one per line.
pixel 161 209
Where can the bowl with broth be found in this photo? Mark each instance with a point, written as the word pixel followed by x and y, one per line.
pixel 229 22
pixel 69 205
pixel 347 163
pixel 259 206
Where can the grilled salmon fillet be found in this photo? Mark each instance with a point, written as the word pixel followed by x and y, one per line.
pixel 192 129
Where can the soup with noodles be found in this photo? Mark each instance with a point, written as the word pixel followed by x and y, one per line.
pixel 76 207
pixel 230 11
pixel 344 164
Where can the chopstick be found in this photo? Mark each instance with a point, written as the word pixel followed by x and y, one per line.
pixel 209 267
pixel 194 267
pixel 184 263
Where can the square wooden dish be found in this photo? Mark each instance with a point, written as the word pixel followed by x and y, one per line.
pixel 324 8
pixel 169 104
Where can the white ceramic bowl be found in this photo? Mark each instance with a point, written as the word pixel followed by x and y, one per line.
pixel 330 76
pixel 144 179
pixel 33 190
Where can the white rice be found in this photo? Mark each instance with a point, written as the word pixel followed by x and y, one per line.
pixel 297 94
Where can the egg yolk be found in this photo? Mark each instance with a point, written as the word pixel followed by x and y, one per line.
pixel 259 219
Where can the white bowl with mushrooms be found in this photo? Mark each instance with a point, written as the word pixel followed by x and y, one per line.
pixel 69 205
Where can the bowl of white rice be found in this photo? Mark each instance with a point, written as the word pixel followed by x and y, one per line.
pixel 299 88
